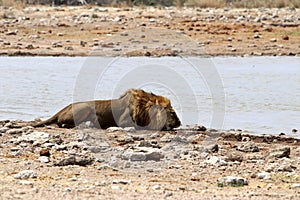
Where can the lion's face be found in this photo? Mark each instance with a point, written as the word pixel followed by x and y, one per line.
pixel 165 116
pixel 149 111
pixel 172 120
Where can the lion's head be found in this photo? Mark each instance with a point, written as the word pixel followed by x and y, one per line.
pixel 150 111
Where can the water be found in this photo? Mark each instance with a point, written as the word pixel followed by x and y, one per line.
pixel 259 94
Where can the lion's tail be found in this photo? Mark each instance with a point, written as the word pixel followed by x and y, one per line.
pixel 49 121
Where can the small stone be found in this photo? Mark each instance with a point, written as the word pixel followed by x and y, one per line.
pixel 29 46
pixel 155 155
pixel 234 181
pixel 115 187
pixel 295 185
pixel 25 182
pixel 285 37
pixel 60 34
pixel 56 44
pixel 211 148
pixel 44 159
pixel 273 40
pixel 14 131
pixel 263 175
pixel 66 161
pixel 4 129
pixel 194 19
pixel 45 152
pixel 69 48
pixel 294 130
pixel 25 174
pixel 156 187
pixel 214 160
pixel 129 129
pixel 248 147
pixel 114 129
pixel 124 182
pixel 12 32
pixel 256 36
pixel 286 168
pixel 280 152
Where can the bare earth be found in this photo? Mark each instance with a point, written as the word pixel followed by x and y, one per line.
pixel 86 163
pixel 82 31
pixel 194 163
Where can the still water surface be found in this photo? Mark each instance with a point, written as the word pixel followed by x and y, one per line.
pixel 259 94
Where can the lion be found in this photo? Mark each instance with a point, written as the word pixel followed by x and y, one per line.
pixel 135 108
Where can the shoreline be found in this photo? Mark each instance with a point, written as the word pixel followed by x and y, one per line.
pixel 107 31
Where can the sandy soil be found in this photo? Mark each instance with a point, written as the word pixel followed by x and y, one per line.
pixel 82 31
pixel 86 163
pixel 194 163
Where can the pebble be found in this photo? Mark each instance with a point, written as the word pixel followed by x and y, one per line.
pixel 115 187
pixel 26 182
pixel 25 174
pixel 280 152
pixel 114 129
pixel 263 175
pixel 44 159
pixel 130 129
pixel 233 181
pixel 4 129
pixel 214 160
pixel 34 137
pixel 124 182
pixel 248 147
pixel 156 187
pixel 14 131
pixel 273 40
pixel 295 185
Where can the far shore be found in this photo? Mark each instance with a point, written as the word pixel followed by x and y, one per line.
pixel 108 31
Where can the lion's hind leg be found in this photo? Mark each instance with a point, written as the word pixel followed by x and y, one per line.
pixel 75 115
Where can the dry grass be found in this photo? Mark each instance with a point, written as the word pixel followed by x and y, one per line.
pixel 13 3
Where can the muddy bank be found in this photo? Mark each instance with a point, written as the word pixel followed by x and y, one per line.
pixel 116 163
pixel 82 31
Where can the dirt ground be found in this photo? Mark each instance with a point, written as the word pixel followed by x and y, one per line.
pixel 83 31
pixel 192 163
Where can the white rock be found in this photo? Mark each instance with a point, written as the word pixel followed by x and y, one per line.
pixel 228 180
pixel 296 185
pixel 25 174
pixel 264 175
pixel 25 182
pixel 214 160
pixel 43 159
pixel 114 129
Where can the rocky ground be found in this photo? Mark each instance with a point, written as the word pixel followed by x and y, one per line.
pixel 81 31
pixel 190 163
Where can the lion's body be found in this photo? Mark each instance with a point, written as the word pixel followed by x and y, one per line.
pixel 134 108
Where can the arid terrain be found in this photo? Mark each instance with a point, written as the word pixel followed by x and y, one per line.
pixel 146 31
pixel 188 163
pixel 191 163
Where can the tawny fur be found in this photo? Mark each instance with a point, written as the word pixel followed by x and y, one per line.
pixel 135 108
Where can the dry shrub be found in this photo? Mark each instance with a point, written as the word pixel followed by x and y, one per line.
pixel 244 3
pixel 205 3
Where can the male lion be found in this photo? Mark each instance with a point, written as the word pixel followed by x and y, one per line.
pixel 134 108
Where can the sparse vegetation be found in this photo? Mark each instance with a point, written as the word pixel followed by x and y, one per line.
pixel 178 3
